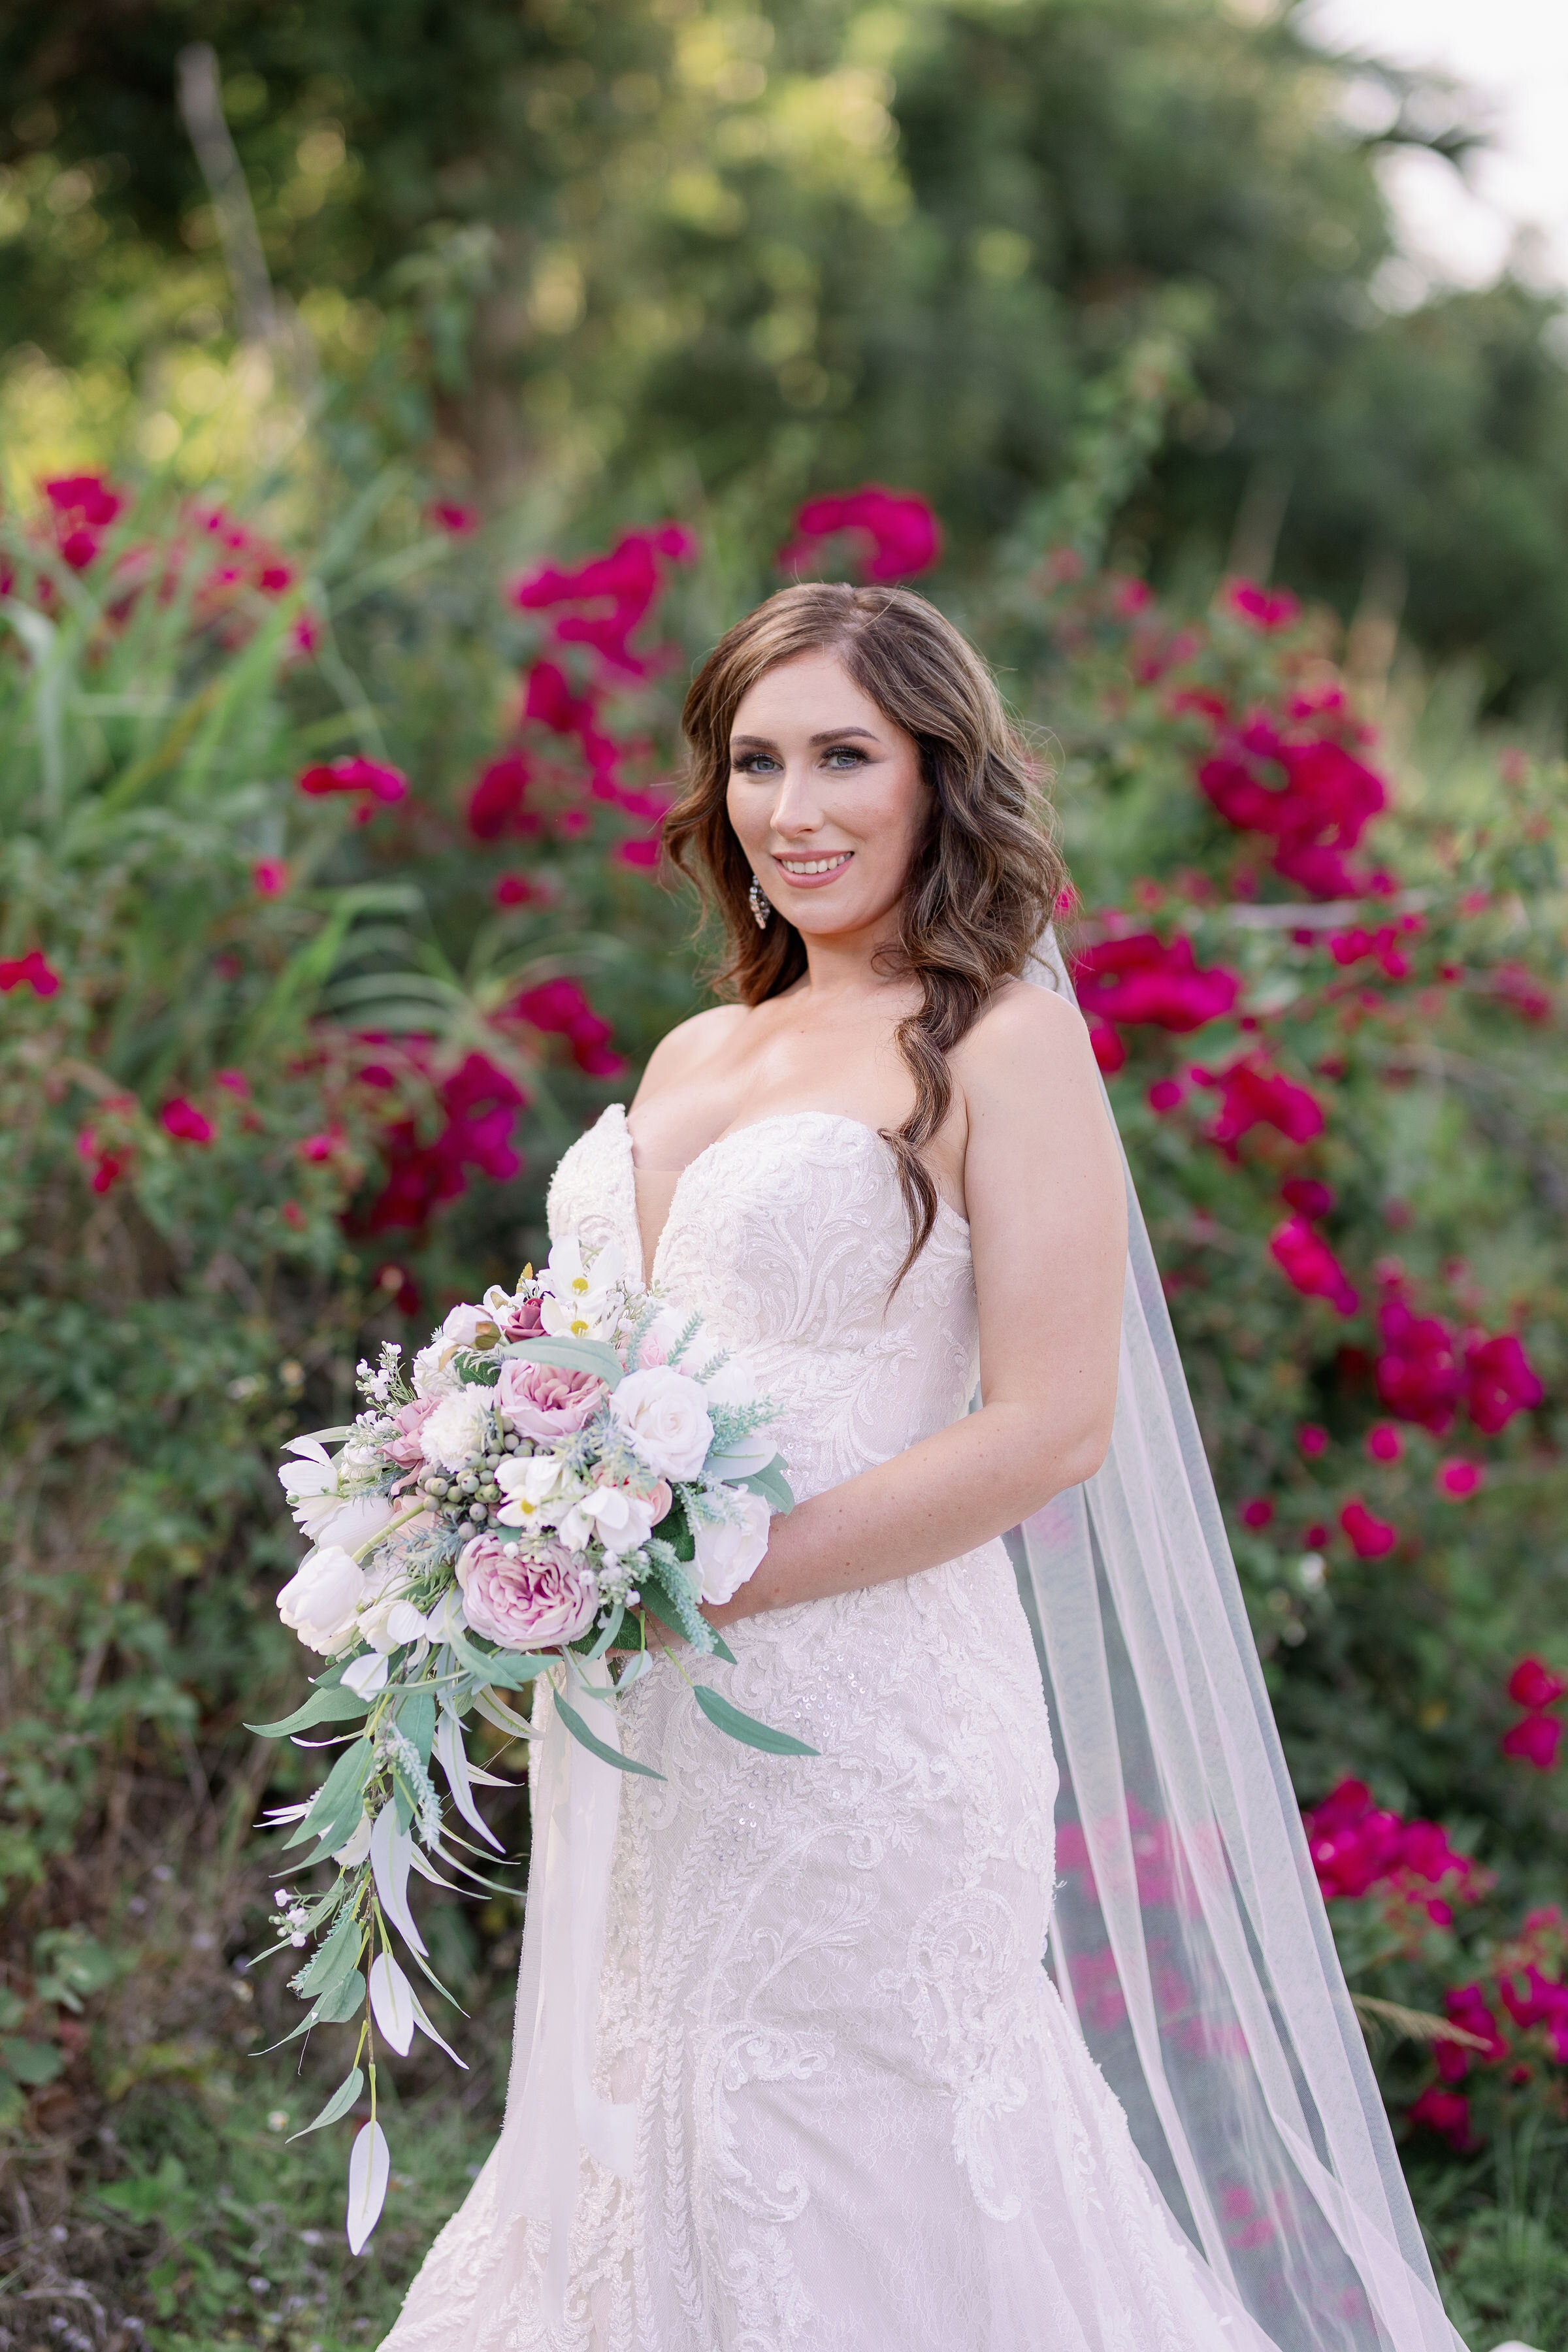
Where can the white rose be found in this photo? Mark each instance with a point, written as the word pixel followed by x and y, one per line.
pixel 666 1421
pixel 456 1430
pixel 319 1599
pixel 621 1521
pixel 731 1551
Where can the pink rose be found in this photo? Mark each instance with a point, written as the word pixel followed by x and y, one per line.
pixel 411 1418
pixel 524 1604
pixel 521 1321
pixel 540 1402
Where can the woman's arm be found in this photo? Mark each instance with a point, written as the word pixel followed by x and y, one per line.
pixel 1047 1216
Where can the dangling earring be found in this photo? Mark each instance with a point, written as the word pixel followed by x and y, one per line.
pixel 760 905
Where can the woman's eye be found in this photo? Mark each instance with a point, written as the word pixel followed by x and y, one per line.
pixel 844 755
pixel 755 763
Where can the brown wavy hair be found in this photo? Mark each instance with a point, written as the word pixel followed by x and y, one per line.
pixel 983 882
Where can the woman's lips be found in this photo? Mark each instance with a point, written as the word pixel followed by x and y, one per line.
pixel 826 869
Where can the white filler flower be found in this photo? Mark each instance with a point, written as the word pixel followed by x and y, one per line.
pixel 455 1431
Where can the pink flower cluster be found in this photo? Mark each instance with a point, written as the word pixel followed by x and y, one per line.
pixel 1424 1372
pixel 1299 784
pixel 1529 1986
pixel 371 780
pixel 598 605
pixel 900 533
pixel 1538 1734
pixel 32 971
pixel 1268 609
pixel 1253 1094
pixel 558 1008
pixel 1370 1537
pixel 1309 1266
pixel 1355 946
pixel 82 507
pixel 603 602
pixel 1357 1848
pixel 1141 979
pixel 480 1105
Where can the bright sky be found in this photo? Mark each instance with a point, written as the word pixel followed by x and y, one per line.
pixel 1513 55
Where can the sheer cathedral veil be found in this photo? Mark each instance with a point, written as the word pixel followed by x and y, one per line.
pixel 1189 1939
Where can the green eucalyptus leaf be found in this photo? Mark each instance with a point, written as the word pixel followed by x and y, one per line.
pixel 340 2103
pixel 746 1728
pixel 567 1354
pixel 332 1706
pixel 580 1731
pixel 336 2008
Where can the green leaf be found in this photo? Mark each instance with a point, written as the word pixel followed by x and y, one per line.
pixel 340 2103
pixel 720 1648
pixel 336 1957
pixel 514 1669
pixel 771 1484
pixel 335 1705
pixel 417 1721
pixel 32 2062
pixel 338 1802
pixel 337 2007
pixel 746 1727
pixel 569 1355
pixel 579 1730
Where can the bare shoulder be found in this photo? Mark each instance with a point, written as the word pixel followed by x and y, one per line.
pixel 1028 1039
pixel 690 1045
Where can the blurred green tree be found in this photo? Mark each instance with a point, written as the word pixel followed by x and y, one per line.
pixel 651 257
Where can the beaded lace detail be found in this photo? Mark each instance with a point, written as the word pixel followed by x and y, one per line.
pixel 864 2122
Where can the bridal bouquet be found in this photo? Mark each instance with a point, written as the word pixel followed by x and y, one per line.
pixel 564 1471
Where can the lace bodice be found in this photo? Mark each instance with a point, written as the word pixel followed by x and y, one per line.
pixel 862 2120
pixel 788 1235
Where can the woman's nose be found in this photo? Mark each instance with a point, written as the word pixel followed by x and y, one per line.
pixel 796 807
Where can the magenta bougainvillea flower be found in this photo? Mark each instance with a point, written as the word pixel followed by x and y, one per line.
pixel 182 1120
pixel 1499 1381
pixel 1533 1739
pixel 1268 609
pixel 1302 786
pixel 558 1008
pixel 618 589
pixel 1253 1094
pixel 903 535
pixel 1141 979
pixel 32 971
pixel 1418 1372
pixel 1309 1266
pixel 353 773
pixel 1369 1537
pixel 1383 1442
pixel 453 517
pixel 1456 1479
pixel 1534 1684
pixel 1357 1847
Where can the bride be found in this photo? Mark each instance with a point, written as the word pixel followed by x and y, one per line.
pixel 860 2113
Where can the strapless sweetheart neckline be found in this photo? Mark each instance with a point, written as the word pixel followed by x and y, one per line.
pixel 617 1112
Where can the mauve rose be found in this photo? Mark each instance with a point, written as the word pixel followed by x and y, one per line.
pixel 521 1321
pixel 521 1603
pixel 540 1402
pixel 406 1448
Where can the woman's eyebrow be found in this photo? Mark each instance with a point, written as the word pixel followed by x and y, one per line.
pixel 831 735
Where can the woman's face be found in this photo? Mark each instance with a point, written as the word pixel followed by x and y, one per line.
pixel 827 796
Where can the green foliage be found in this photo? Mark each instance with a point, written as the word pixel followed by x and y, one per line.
pixel 628 259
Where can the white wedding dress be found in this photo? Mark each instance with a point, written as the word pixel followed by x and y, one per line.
pixel 864 2121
